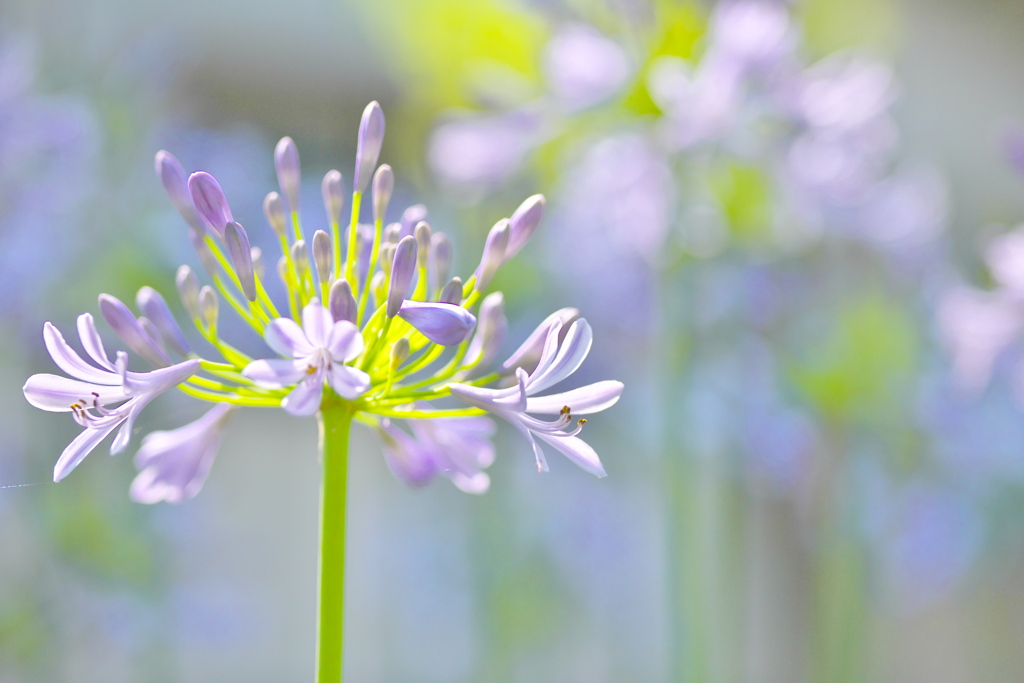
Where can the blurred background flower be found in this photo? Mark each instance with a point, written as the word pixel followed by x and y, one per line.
pixel 790 225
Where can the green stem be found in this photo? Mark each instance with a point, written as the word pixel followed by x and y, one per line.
pixel 335 424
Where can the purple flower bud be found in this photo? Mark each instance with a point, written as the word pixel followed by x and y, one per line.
pixel 392 233
pixel 300 257
pixel 188 290
pixel 286 160
pixel 208 306
pixel 444 324
pixel 383 187
pixel 154 307
pixel 210 201
pixel 273 209
pixel 203 251
pixel 258 266
pixel 494 254
pixel 523 223
pixel 152 333
pixel 322 255
pixel 422 235
pixel 452 292
pixel 333 191
pixel 371 137
pixel 402 270
pixel 128 330
pixel 175 183
pixel 341 302
pixel 411 217
pixel 490 333
pixel 440 259
pixel 241 258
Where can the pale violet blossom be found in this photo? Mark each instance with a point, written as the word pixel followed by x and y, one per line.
pixel 457 448
pixel 559 359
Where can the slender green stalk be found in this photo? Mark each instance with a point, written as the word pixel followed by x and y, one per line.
pixel 335 425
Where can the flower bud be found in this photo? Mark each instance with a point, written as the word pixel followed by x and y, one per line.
pixel 411 217
pixel 188 290
pixel 383 187
pixel 341 303
pixel 490 332
pixel 241 258
pixel 392 233
pixel 300 257
pixel 273 209
pixel 282 271
pixel 387 257
pixel 322 255
pixel 494 254
pixel 333 191
pixel 422 235
pixel 208 305
pixel 440 260
pixel 523 223
pixel 452 292
pixel 210 201
pixel 155 308
pixel 175 183
pixel 203 251
pixel 149 329
pixel 258 266
pixel 286 161
pixel 371 137
pixel 128 330
pixel 399 352
pixel 402 270
pixel 444 324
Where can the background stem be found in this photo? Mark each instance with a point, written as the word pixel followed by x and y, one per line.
pixel 335 424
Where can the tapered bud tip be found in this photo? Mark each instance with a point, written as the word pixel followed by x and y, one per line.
pixel 333 191
pixel 130 331
pixel 452 292
pixel 371 137
pixel 399 352
pixel 210 201
pixel 341 303
pixel 393 233
pixel 241 258
pixel 208 305
pixel 172 177
pixel 300 256
pixel 155 308
pixel 286 160
pixel 494 253
pixel 188 290
pixel 524 222
pixel 411 217
pixel 257 261
pixel 273 209
pixel 383 187
pixel 422 234
pixel 322 254
pixel 402 270
pixel 444 324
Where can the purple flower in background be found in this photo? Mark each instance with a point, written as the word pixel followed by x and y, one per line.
pixel 94 388
pixel 751 32
pixel 559 359
pixel 584 67
pixel 316 353
pixel 977 327
pixel 174 464
pixel 482 151
pixel 458 448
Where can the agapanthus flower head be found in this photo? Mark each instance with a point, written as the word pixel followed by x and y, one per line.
pixel 372 323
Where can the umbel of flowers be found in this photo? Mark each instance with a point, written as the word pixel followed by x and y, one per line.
pixel 375 328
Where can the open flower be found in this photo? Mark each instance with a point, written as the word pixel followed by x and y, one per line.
pixel 318 352
pixel 94 388
pixel 558 360
pixel 458 448
pixel 173 465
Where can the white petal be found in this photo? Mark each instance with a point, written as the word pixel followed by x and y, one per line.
pixel 350 383
pixel 286 338
pixel 68 360
pixel 316 323
pixel 81 446
pixel 577 450
pixel 571 354
pixel 305 398
pixel 477 483
pixel 344 341
pixel 592 398
pixel 159 381
pixel 56 394
pixel 91 341
pixel 276 372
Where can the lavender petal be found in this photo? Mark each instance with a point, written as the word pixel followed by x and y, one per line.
pixel 210 201
pixel 444 324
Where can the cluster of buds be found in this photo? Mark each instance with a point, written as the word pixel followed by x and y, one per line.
pixel 373 318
